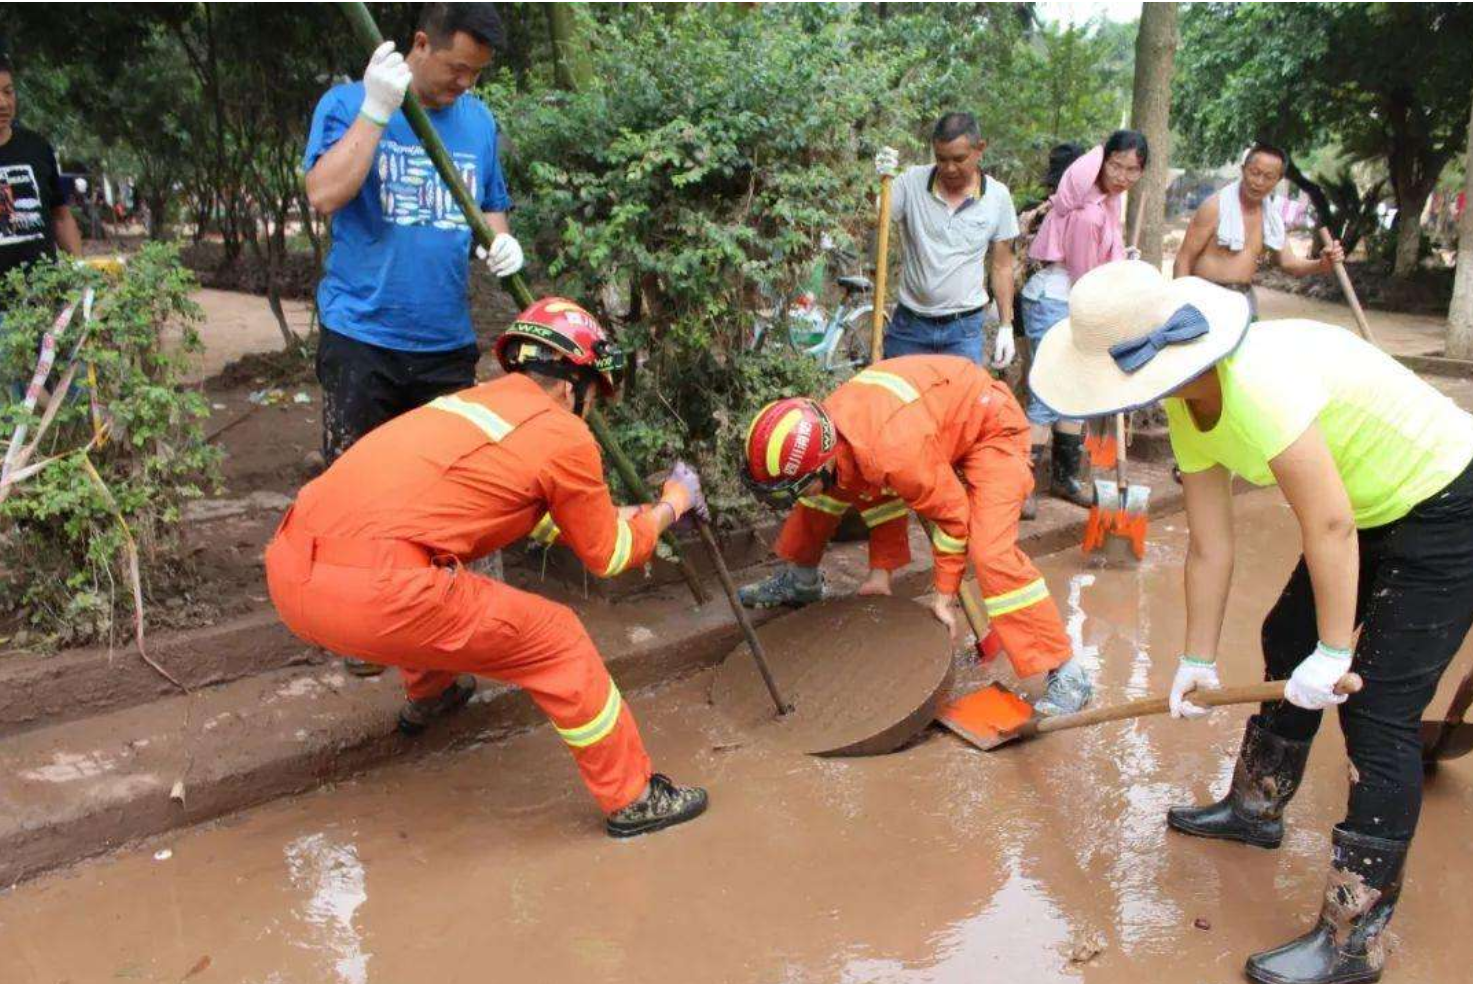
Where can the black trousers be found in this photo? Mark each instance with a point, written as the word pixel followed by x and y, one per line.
pixel 364 385
pixel 1415 606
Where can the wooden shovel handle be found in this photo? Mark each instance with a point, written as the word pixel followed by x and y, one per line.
pixel 1256 693
pixel 882 273
pixel 1349 290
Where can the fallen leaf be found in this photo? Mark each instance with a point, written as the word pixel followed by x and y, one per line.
pixel 1201 923
pixel 200 966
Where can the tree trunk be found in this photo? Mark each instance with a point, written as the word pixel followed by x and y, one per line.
pixel 569 46
pixel 1409 204
pixel 1155 58
pixel 1460 311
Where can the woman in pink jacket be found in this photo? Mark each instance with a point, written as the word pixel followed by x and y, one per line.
pixel 1080 232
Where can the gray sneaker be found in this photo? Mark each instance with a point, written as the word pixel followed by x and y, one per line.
pixel 786 587
pixel 1068 691
pixel 664 805
pixel 416 715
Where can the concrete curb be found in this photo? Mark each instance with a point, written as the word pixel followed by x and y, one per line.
pixel 79 788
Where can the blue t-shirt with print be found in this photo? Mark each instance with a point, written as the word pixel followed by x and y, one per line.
pixel 396 274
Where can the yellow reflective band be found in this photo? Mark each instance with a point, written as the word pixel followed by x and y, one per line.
pixel 1012 601
pixel 747 441
pixel 825 504
pixel 883 513
pixel 775 442
pixel 888 380
pixel 546 531
pixel 490 423
pixel 623 542
pixel 946 543
pixel 600 727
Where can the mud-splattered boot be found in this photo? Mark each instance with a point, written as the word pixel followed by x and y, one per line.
pixel 1346 945
pixel 1030 504
pixel 791 587
pixel 1068 691
pixel 1266 778
pixel 664 804
pixel 416 715
pixel 1065 483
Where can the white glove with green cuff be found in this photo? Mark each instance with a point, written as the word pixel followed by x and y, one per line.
pixel 385 81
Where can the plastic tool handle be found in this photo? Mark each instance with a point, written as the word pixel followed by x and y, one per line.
pixel 1257 693
pixel 369 37
pixel 882 271
pixel 753 642
pixel 1349 290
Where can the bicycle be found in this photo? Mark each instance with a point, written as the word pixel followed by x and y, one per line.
pixel 839 340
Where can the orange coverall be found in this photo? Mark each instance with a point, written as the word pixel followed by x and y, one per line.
pixel 368 562
pixel 952 443
pixel 811 524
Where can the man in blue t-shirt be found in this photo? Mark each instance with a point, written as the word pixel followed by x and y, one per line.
pixel 394 304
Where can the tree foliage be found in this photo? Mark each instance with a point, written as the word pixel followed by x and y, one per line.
pixel 1385 81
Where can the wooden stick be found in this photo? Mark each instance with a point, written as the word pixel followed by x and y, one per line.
pixel 882 272
pixel 753 642
pixel 368 35
pixel 1349 289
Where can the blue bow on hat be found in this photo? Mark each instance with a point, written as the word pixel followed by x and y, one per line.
pixel 1184 325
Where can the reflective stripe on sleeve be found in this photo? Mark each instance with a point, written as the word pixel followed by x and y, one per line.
pixel 825 504
pixel 884 512
pixel 889 381
pixel 489 422
pixel 623 543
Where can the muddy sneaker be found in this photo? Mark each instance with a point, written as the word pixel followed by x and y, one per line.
pixel 1068 691
pixel 664 805
pixel 791 586
pixel 416 715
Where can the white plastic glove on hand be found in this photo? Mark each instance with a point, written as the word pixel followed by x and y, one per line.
pixel 1192 674
pixel 887 162
pixel 504 258
pixel 1312 685
pixel 1004 349
pixel 385 81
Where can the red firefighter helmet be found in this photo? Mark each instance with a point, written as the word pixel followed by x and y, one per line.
pixel 557 336
pixel 786 445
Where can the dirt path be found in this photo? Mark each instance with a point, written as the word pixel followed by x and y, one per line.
pixel 937 864
pixel 238 324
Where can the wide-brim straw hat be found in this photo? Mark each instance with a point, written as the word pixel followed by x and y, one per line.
pixel 1163 333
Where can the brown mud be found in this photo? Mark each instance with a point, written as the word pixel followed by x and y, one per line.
pixel 1043 861
pixel 862 675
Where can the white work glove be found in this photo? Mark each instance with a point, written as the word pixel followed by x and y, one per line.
pixel 887 162
pixel 1004 348
pixel 1312 685
pixel 385 81
pixel 504 258
pixel 1192 674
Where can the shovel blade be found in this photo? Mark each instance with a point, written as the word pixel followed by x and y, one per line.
pixel 986 718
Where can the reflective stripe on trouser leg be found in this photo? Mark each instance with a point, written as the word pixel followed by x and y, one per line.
pixel 998 476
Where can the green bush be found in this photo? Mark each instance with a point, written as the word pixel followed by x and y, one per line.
pixel 65 570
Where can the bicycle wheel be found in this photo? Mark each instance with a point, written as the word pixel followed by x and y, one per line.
pixel 853 348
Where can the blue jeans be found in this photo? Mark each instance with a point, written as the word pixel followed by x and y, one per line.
pixel 914 334
pixel 1038 317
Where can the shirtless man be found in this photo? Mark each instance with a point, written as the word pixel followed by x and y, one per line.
pixel 1227 252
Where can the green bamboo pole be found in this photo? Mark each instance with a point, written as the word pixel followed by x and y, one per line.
pixel 369 37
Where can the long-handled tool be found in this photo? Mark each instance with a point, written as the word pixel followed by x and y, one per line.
pixel 754 643
pixel 1349 290
pixel 367 31
pixel 882 272
pixel 1452 737
pixel 1101 441
pixel 995 715
pixel 1118 519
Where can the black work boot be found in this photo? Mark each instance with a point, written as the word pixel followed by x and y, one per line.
pixel 1065 483
pixel 1268 773
pixel 416 715
pixel 1030 504
pixel 1346 945
pixel 663 805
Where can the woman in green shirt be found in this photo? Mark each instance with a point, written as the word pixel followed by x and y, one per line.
pixel 1374 464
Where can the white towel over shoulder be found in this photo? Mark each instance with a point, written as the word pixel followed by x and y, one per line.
pixel 1230 220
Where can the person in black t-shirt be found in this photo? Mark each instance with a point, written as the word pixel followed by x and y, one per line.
pixel 34 218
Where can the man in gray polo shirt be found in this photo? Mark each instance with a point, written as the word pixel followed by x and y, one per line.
pixel 950 214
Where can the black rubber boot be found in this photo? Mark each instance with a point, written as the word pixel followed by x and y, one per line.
pixel 1065 482
pixel 1030 504
pixel 1346 945
pixel 664 805
pixel 1266 778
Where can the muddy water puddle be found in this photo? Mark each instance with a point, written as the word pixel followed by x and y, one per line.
pixel 1044 861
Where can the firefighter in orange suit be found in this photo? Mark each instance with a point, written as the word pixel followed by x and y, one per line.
pixel 952 443
pixel 370 560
